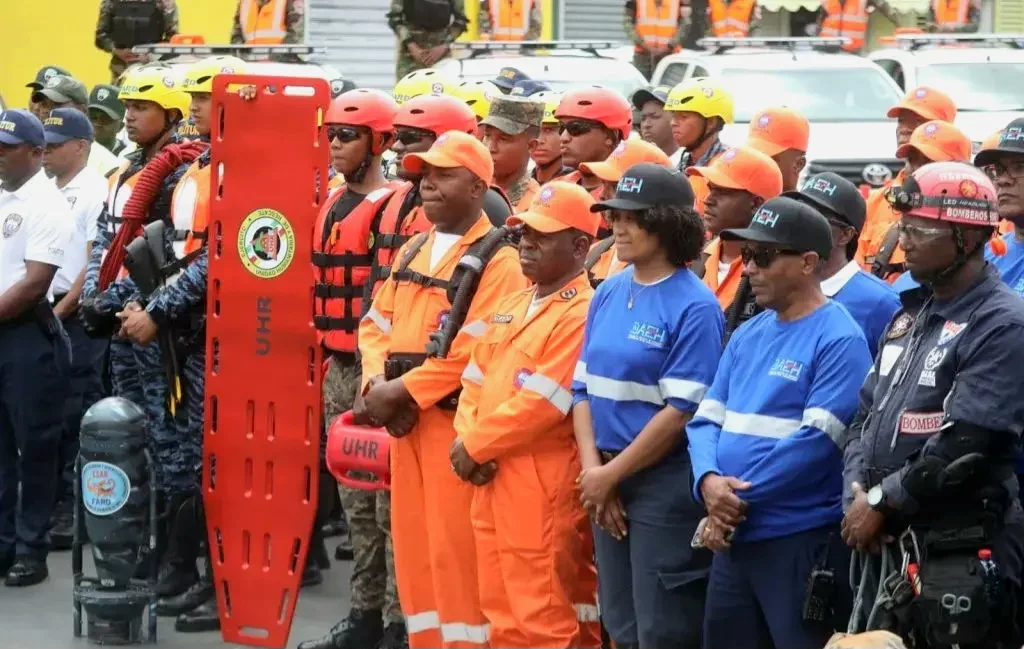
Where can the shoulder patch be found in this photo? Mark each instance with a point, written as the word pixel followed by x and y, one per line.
pixel 502 318
pixel 568 294
pixel 900 326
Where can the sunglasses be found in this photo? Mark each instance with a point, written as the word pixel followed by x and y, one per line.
pixel 764 257
pixel 408 137
pixel 342 134
pixel 576 128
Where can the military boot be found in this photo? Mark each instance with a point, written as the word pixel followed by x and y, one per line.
pixel 395 637
pixel 62 525
pixel 178 564
pixel 360 630
pixel 200 592
pixel 202 618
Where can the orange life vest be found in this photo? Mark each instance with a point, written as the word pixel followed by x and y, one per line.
pixel 951 13
pixel 341 262
pixel 263 25
pixel 401 220
pixel 119 190
pixel 846 19
pixel 657 21
pixel 731 20
pixel 510 19
pixel 190 210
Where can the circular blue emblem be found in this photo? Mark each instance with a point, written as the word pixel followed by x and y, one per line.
pixel 105 488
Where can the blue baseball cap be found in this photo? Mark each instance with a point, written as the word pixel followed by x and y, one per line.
pixel 65 124
pixel 19 126
pixel 528 87
pixel 508 78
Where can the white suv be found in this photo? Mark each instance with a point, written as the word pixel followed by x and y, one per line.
pixel 845 97
pixel 982 74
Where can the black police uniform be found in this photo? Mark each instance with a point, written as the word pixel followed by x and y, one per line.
pixel 948 381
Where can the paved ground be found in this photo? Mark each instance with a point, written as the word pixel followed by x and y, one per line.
pixel 40 617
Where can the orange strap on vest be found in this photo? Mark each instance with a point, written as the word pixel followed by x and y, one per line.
pixel 950 13
pixel 341 258
pixel 657 21
pixel 846 19
pixel 263 25
pixel 396 227
pixel 510 19
pixel 732 20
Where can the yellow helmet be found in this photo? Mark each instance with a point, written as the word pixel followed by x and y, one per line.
pixel 551 99
pixel 159 85
pixel 421 82
pixel 199 77
pixel 702 96
pixel 477 94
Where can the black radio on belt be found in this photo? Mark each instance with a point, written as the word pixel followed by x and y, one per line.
pixel 820 596
pixel 398 365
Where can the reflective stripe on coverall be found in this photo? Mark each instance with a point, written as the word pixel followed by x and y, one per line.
pixel 534 546
pixel 435 562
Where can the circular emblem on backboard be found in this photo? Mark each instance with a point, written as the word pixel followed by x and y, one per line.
pixel 266 243
pixel 105 488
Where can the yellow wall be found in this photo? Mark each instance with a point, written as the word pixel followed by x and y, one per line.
pixel 31 28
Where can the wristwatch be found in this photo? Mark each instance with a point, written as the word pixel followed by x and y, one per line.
pixel 876 500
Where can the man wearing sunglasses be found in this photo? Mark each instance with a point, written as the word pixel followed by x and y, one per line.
pixel 592 121
pixel 765 460
pixel 869 300
pixel 934 444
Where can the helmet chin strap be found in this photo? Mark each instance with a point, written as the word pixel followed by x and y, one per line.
pixel 962 257
pixel 705 133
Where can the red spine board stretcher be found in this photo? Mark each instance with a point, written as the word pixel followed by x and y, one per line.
pixel 263 371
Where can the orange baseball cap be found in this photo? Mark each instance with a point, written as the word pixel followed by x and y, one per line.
pixel 939 142
pixel 627 154
pixel 454 149
pixel 743 168
pixel 558 206
pixel 927 102
pixel 775 130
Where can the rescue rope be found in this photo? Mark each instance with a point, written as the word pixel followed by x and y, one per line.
pixel 144 193
pixel 862 575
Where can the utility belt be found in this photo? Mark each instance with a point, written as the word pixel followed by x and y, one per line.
pixel 41 314
pixel 398 365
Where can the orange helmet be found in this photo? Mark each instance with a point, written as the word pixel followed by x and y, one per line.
pixel 437 114
pixel 365 107
pixel 598 104
pixel 955 192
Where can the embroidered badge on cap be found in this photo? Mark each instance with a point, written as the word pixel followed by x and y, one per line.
pixel 766 217
pixel 931 129
pixel 900 326
pixel 545 195
pixel 728 154
pixel 764 120
pixel 53 81
pixel 920 93
pixel 102 94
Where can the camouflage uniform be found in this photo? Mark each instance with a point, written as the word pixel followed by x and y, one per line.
pixel 407 33
pixel 483 19
pixel 294 23
pixel 105 29
pixel 643 60
pixel 514 115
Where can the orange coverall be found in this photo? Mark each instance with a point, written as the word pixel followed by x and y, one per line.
pixel 726 291
pixel 435 564
pixel 538 584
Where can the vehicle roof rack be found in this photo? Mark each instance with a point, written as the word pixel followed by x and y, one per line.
pixel 917 41
pixel 476 48
pixel 721 45
pixel 244 52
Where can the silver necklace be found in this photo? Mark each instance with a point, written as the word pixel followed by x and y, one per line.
pixel 632 297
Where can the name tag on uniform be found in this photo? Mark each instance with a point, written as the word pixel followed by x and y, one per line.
pixel 921 423
pixel 890 354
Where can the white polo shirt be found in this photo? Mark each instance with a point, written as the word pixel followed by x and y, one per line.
pixel 86 195
pixel 101 160
pixel 35 225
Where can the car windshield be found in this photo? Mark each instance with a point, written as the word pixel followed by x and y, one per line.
pixel 981 86
pixel 822 95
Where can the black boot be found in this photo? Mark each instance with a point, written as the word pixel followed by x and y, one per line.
pixel 344 550
pixel 202 618
pixel 395 637
pixel 200 592
pixel 178 564
pixel 62 525
pixel 360 630
pixel 335 525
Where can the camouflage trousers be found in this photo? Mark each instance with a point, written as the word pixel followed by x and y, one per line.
pixel 404 63
pixel 368 513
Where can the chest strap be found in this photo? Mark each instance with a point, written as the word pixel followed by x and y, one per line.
pixel 403 274
pixel 339 260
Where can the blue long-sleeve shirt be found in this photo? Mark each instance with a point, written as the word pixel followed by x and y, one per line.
pixel 1010 265
pixel 869 300
pixel 783 395
pixel 663 350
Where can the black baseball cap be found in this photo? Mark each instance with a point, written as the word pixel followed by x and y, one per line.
pixel 644 95
pixel 46 73
pixel 104 99
pixel 789 224
pixel 1010 142
pixel 645 185
pixel 836 195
